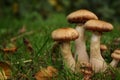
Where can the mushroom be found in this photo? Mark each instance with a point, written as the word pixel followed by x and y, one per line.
pixel 64 36
pixel 80 17
pixel 103 47
pixel 116 57
pixel 97 27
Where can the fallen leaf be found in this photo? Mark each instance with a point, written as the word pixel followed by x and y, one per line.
pixel 2 75
pixel 28 44
pixel 10 48
pixel 22 30
pixel 46 73
pixel 5 71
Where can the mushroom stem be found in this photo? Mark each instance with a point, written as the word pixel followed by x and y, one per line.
pixel 114 63
pixel 81 55
pixel 80 46
pixel 67 55
pixel 96 60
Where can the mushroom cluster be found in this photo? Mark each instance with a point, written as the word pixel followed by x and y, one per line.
pixel 80 17
pixel 85 20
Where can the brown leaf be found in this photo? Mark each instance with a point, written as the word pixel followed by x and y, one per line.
pixel 28 44
pixel 5 71
pixel 46 73
pixel 10 48
pixel 22 30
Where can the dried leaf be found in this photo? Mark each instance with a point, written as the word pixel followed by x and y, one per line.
pixel 28 44
pixel 10 48
pixel 46 74
pixel 22 30
pixel 5 71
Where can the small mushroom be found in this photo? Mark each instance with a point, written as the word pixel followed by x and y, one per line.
pixel 116 41
pixel 97 27
pixel 103 47
pixel 116 58
pixel 64 36
pixel 80 17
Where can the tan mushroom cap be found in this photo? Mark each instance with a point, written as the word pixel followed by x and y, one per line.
pixel 103 47
pixel 81 16
pixel 64 34
pixel 98 25
pixel 117 51
pixel 116 54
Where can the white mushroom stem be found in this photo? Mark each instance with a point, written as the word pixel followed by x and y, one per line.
pixel 67 55
pixel 81 55
pixel 96 60
pixel 114 63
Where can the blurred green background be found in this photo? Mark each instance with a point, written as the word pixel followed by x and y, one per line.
pixel 105 9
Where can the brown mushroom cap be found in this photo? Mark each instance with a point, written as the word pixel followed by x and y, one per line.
pixel 64 34
pixel 116 54
pixel 117 51
pixel 103 47
pixel 81 16
pixel 98 25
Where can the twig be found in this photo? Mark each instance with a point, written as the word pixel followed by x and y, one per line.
pixel 21 35
pixel 26 61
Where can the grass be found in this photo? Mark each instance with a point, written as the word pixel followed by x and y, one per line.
pixel 42 44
